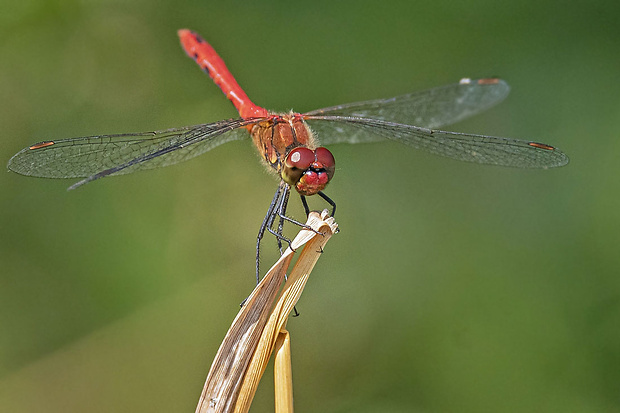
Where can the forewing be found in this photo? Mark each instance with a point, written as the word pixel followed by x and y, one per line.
pixel 464 147
pixel 124 153
pixel 431 108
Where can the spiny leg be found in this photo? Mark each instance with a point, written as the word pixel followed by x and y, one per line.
pixel 266 224
pixel 329 201
pixel 281 211
pixel 322 195
pixel 278 208
pixel 305 204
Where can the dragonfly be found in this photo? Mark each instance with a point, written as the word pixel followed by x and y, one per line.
pixel 290 143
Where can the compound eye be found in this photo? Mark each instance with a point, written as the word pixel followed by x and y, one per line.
pixel 325 157
pixel 300 158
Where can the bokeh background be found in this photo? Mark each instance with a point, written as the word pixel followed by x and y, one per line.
pixel 452 287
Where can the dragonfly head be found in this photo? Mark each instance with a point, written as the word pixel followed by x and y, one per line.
pixel 307 170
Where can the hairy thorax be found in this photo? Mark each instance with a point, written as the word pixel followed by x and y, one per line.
pixel 277 136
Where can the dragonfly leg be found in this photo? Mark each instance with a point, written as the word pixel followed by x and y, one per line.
pixel 281 212
pixel 322 195
pixel 277 208
pixel 282 215
pixel 298 223
pixel 267 221
pixel 280 238
pixel 305 204
pixel 329 201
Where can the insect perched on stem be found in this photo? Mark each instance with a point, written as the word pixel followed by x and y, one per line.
pixel 289 142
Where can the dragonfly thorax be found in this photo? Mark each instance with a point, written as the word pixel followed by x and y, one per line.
pixel 287 145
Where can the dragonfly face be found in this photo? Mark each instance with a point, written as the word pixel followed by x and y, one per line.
pixel 308 171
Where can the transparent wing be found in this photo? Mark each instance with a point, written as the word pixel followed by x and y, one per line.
pixel 431 108
pixel 464 147
pixel 94 157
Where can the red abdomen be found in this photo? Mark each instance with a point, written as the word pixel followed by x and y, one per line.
pixel 209 61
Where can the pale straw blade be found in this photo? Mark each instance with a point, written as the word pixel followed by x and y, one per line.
pixel 283 373
pixel 222 388
pixel 291 292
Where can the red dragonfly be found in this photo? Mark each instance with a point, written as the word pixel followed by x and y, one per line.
pixel 289 142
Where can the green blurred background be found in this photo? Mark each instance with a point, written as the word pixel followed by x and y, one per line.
pixel 452 287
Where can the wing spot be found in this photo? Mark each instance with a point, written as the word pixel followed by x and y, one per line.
pixel 541 146
pixel 41 145
pixel 488 81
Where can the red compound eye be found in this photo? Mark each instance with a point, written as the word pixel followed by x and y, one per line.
pixel 325 157
pixel 300 158
pixel 297 161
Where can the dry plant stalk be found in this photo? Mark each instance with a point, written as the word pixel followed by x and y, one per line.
pixel 283 373
pixel 243 355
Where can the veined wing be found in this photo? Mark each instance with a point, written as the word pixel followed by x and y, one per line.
pixel 94 157
pixel 430 108
pixel 462 146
